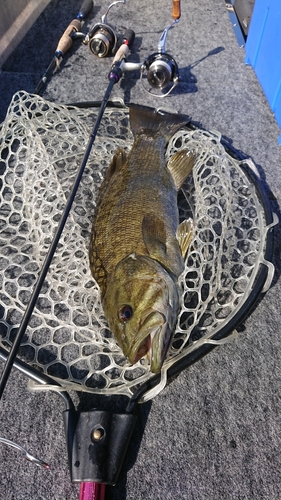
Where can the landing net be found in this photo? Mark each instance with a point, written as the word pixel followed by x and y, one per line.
pixel 42 145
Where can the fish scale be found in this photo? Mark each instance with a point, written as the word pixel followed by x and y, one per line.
pixel 139 188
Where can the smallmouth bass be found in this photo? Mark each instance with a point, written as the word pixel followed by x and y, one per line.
pixel 137 246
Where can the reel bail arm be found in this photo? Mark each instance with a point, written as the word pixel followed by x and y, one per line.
pixel 104 17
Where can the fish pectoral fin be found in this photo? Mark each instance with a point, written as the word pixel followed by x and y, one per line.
pixel 154 236
pixel 185 234
pixel 161 247
pixel 180 166
pixel 97 268
pixel 119 158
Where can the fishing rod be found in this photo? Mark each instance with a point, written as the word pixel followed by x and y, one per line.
pixel 160 68
pixel 114 76
pixel 89 490
pixel 71 33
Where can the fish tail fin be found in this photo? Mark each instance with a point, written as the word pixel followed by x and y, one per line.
pixel 152 122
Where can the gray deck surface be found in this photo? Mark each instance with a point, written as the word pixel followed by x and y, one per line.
pixel 215 432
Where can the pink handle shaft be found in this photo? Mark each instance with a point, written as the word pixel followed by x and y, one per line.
pixel 92 491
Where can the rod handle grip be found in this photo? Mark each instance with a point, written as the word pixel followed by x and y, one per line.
pixel 129 37
pixel 85 9
pixel 124 49
pixel 66 40
pixel 121 53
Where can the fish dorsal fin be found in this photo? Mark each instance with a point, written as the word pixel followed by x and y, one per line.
pixel 185 234
pixel 155 123
pixel 180 166
pixel 116 163
pixel 154 236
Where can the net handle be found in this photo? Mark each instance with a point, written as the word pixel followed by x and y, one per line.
pixel 92 491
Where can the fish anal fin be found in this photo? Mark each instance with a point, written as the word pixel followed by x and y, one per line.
pixel 185 234
pixel 180 166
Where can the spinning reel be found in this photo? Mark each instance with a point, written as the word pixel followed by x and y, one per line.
pixel 160 67
pixel 102 38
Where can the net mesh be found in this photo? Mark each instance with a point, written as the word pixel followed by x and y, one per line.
pixel 42 145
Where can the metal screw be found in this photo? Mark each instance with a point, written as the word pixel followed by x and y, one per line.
pixel 98 434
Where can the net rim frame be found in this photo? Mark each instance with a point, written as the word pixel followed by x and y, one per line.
pixel 244 311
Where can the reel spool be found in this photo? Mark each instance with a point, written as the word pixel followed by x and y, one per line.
pixel 162 72
pixel 102 37
pixel 103 40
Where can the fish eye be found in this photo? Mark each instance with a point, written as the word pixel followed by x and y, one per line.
pixel 125 313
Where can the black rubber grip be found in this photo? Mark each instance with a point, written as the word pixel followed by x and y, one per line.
pixel 85 9
pixel 129 36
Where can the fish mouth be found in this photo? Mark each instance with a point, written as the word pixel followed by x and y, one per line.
pixel 153 339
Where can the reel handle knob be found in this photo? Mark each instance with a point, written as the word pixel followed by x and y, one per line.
pixel 176 9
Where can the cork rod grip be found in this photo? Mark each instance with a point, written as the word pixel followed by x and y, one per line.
pixel 176 9
pixel 66 41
